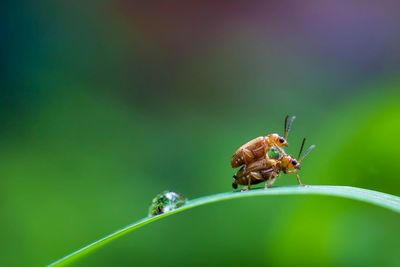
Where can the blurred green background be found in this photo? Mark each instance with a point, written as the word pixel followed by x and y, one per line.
pixel 104 104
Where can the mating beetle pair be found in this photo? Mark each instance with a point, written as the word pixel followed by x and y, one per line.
pixel 257 166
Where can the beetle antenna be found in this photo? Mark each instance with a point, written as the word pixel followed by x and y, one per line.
pixel 307 152
pixel 288 125
pixel 301 148
pixel 285 127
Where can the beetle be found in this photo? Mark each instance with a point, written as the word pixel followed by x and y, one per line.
pixel 267 170
pixel 258 147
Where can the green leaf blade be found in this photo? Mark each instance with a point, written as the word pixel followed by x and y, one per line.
pixel 384 200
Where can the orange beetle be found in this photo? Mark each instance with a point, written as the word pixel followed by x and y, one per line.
pixel 267 170
pixel 258 147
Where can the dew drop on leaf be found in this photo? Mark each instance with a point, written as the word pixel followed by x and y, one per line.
pixel 165 202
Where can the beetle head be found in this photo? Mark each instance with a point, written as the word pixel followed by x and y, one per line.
pixel 278 140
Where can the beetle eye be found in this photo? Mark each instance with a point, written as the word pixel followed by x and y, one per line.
pixel 281 140
pixel 294 162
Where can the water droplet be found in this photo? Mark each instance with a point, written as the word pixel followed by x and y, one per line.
pixel 166 201
pixel 273 153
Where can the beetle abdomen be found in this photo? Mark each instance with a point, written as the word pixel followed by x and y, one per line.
pixel 234 185
pixel 249 152
pixel 236 161
pixel 245 180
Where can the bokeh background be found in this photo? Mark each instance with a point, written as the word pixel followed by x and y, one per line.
pixel 104 104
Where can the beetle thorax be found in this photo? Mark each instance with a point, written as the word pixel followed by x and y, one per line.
pixel 285 161
pixel 272 138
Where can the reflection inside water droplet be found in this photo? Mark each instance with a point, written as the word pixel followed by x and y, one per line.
pixel 166 201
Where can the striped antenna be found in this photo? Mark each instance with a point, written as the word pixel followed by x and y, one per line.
pixel 307 152
pixel 288 125
pixel 301 148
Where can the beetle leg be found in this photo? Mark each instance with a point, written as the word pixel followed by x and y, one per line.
pixel 298 180
pixel 245 188
pixel 269 183
pixel 297 176
pixel 257 175
pixel 248 186
pixel 281 151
